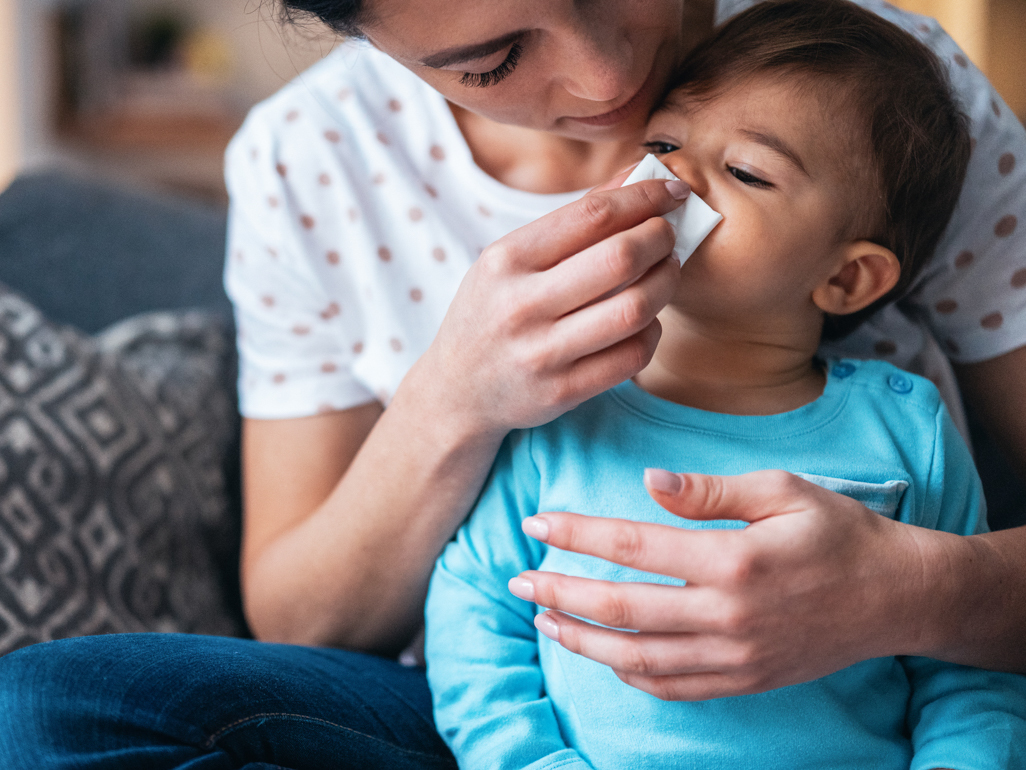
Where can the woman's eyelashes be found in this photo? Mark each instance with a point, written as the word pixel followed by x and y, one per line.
pixel 660 148
pixel 490 78
pixel 748 178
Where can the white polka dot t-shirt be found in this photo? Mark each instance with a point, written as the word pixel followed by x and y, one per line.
pixel 356 209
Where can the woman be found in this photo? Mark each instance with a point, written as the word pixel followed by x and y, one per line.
pixel 360 199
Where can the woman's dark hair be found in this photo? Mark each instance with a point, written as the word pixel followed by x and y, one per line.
pixel 342 16
pixel 895 86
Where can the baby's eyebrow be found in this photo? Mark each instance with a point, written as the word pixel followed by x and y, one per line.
pixel 470 52
pixel 776 144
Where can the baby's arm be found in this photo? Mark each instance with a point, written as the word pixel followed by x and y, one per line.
pixel 960 717
pixel 481 644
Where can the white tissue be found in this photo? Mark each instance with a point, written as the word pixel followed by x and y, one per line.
pixel 692 221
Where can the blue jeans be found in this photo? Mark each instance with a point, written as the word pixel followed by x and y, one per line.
pixel 155 701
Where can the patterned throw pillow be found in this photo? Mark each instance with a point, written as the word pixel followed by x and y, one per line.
pixel 115 512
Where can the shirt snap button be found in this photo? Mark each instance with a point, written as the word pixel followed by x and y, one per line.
pixel 900 383
pixel 844 370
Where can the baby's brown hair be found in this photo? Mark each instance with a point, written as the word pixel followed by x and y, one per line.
pixel 912 127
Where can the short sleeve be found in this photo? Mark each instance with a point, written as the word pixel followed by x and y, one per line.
pixel 298 334
pixel 972 294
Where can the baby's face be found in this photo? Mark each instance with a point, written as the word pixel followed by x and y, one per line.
pixel 770 158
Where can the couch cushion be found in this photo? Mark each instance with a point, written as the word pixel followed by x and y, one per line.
pixel 114 512
pixel 88 253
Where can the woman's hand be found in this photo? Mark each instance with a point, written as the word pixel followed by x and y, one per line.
pixel 801 592
pixel 557 311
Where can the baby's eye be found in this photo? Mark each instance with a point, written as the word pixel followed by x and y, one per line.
pixel 747 178
pixel 660 148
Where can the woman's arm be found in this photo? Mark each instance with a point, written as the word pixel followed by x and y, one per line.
pixel 345 513
pixel 817 584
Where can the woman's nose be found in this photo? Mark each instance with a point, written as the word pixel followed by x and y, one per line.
pixel 599 68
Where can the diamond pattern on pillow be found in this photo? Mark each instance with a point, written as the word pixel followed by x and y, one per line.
pixel 114 506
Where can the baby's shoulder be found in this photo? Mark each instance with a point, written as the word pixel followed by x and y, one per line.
pixel 881 384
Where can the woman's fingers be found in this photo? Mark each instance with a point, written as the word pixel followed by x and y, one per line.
pixel 570 229
pixel 749 497
pixel 616 263
pixel 641 654
pixel 631 606
pixel 685 554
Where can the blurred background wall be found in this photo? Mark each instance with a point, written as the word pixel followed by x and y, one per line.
pixel 150 91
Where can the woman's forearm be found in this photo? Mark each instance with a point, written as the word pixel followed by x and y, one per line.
pixel 973 594
pixel 354 573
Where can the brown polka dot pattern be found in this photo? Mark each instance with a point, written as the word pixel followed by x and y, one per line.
pixel 307 221
pixel 396 344
pixel 382 138
pixel 254 153
pixel 992 321
pixel 923 28
pixel 273 202
pixel 273 252
pixel 300 331
pixel 324 179
pixel 333 257
pixel 416 295
pixel 282 170
pixel 1006 163
pixel 960 60
pixel 268 300
pixel 437 152
pixel 378 178
pixel 344 94
pixel 292 115
pixel 357 348
pixel 416 214
pixel 952 346
pixel 395 105
pixel 431 191
pixel 240 257
pixel 333 136
pixel 996 107
pixel 438 254
pixel 483 210
pixel 354 214
pixel 385 254
pixel 946 306
pixel 328 367
pixel 331 311
pixel 964 259
pixel 885 348
pixel 1019 279
pixel 278 379
pixel 1005 226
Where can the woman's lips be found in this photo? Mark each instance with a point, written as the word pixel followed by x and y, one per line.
pixel 623 111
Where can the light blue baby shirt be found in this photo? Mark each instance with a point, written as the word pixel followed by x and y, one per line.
pixel 507 697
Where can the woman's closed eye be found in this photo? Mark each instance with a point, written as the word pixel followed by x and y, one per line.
pixel 490 78
pixel 748 178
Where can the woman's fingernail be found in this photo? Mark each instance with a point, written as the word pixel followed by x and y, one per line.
pixel 522 589
pixel 536 528
pixel 659 480
pixel 547 626
pixel 678 189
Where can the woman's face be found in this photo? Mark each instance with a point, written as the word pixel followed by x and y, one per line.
pixel 585 69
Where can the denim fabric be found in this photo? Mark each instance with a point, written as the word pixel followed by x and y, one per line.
pixel 162 701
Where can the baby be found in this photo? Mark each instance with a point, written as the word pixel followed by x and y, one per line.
pixel 829 141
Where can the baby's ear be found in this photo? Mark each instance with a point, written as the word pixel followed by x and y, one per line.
pixel 867 271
